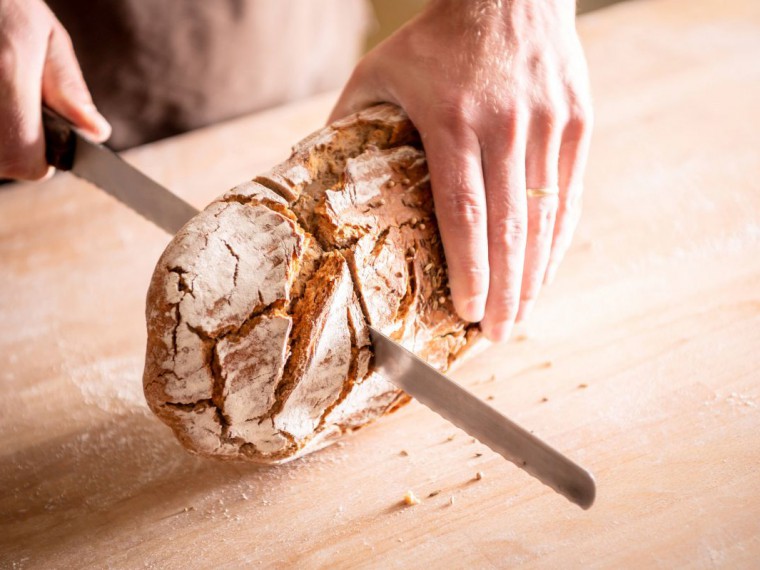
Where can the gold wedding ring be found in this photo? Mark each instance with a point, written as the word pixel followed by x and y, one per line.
pixel 541 192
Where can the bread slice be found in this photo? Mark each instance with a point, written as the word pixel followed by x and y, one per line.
pixel 258 309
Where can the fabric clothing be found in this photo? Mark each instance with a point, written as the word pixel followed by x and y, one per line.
pixel 160 67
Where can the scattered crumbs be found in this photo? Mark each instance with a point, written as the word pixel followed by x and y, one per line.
pixel 473 440
pixel 189 509
pixel 491 378
pixel 410 499
pixel 451 500
pixel 422 226
pixel 382 201
pixel 521 338
pixel 434 493
pixel 341 444
pixel 478 454
pixel 405 181
pixel 391 183
pixel 450 438
pixel 547 364
pixel 403 453
pixel 489 398
pixel 428 267
pixel 441 299
pixel 245 497
pixel 479 476
pixel 399 540
pixel 544 400
pixel 582 385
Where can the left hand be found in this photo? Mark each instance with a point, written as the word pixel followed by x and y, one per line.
pixel 499 92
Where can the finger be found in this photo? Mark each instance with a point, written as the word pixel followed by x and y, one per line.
pixel 504 172
pixel 65 91
pixel 576 138
pixel 453 155
pixel 22 147
pixel 361 91
pixel 541 175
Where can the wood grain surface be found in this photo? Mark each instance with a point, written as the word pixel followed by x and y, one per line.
pixel 642 360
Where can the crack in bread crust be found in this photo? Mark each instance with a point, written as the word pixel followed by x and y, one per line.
pixel 258 310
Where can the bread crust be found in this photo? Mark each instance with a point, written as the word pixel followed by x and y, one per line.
pixel 258 309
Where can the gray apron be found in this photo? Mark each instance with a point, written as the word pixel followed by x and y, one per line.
pixel 160 67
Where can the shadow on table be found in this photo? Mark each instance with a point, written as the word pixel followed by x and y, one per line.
pixel 127 471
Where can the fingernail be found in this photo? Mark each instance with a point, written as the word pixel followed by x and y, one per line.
pixel 100 126
pixel 500 332
pixel 49 174
pixel 526 308
pixel 474 310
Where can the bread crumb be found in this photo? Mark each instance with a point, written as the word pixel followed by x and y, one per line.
pixel 404 453
pixel 547 364
pixel 544 400
pixel 491 378
pixel 434 493
pixel 473 440
pixel 479 476
pixel 521 338
pixel 582 385
pixel 405 181
pixel 422 226
pixel 410 499
pixel 489 398
pixel 450 438
pixel 451 501
pixel 391 183
pixel 478 454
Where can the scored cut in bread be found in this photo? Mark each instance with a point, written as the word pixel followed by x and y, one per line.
pixel 258 309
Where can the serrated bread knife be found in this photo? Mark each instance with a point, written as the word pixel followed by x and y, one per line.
pixel 67 150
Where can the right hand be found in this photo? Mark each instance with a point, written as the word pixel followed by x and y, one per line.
pixel 38 65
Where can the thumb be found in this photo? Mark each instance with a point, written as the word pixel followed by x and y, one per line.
pixel 361 91
pixel 65 91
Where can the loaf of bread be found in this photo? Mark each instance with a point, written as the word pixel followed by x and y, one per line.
pixel 258 309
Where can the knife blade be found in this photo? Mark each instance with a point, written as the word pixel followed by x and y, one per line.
pixel 489 426
pixel 66 149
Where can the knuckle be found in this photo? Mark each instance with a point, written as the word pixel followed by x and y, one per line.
pixel 542 216
pixel 455 114
pixel 507 129
pixel 579 117
pixel 504 307
pixel 473 277
pixel 510 231
pixel 9 61
pixel 465 210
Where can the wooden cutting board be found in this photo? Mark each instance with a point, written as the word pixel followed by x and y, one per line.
pixel 642 361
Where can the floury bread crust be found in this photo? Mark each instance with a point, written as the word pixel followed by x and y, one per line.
pixel 258 310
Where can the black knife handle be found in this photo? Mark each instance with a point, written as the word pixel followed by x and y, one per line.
pixel 60 140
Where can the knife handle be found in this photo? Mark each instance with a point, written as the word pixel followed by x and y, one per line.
pixel 60 140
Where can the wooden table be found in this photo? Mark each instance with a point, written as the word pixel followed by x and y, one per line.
pixel 642 361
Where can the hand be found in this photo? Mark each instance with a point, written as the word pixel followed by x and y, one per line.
pixel 499 92
pixel 37 64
